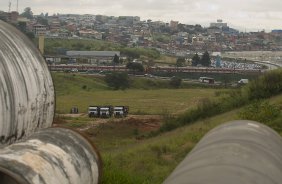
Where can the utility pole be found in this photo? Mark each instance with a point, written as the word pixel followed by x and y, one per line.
pixel 10 6
pixel 17 5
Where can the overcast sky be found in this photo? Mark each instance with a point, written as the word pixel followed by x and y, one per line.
pixel 242 14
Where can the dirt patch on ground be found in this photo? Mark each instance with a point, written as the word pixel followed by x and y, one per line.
pixel 142 122
pixel 73 115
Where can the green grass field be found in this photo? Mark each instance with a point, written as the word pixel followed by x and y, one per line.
pixel 82 91
pixel 126 158
pixel 166 60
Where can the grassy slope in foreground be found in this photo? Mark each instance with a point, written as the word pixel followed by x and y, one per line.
pixel 152 160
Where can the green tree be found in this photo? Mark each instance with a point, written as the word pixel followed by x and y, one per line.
pixel 175 82
pixel 180 62
pixel 117 80
pixel 27 13
pixel 42 20
pixel 22 26
pixel 206 60
pixel 136 67
pixel 196 60
pixel 116 60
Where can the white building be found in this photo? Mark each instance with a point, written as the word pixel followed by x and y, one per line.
pixel 39 29
pixel 218 24
pixel 88 17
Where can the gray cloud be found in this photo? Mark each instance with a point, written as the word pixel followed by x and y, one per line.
pixel 259 14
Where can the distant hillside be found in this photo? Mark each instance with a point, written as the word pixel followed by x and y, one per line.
pixel 60 46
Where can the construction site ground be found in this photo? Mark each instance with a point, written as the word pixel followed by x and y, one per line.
pixel 144 122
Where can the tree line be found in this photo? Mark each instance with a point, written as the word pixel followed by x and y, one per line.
pixel 205 60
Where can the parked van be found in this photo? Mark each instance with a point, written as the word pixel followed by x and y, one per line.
pixel 243 81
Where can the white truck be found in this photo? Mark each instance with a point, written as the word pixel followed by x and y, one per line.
pixel 106 111
pixel 93 111
pixel 121 111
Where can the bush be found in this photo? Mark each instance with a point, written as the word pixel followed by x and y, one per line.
pixel 260 111
pixel 117 80
pixel 268 85
pixel 138 67
pixel 206 108
pixel 175 82
pixel 84 87
pixel 276 124
pixel 169 124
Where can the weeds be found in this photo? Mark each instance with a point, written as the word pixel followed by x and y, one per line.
pixel 262 112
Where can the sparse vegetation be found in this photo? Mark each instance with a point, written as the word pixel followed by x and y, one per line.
pixel 264 112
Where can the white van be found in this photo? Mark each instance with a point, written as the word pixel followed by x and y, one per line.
pixel 243 81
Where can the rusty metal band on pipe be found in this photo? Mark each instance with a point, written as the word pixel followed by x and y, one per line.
pixel 26 87
pixel 50 156
pixel 244 152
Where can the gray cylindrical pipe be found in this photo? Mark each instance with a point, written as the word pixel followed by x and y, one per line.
pixel 50 156
pixel 44 156
pixel 244 152
pixel 26 87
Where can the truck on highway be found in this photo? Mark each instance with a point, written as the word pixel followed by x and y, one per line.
pixel 120 111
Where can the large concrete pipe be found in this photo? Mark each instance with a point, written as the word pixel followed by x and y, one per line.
pixel 50 156
pixel 26 88
pixel 30 152
pixel 240 152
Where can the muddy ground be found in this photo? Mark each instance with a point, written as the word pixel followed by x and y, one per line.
pixel 142 122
